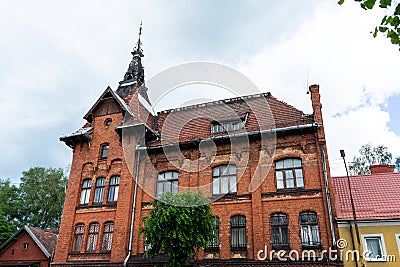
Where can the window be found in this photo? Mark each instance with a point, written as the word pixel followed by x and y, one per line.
pixel 289 173
pixel 224 179
pixel 78 237
pixel 280 236
pixel 309 229
pixel 25 246
pixel 107 236
pixel 114 186
pixel 167 182
pixel 238 233
pixel 374 247
pixel 398 241
pixel 99 192
pixel 85 194
pixel 214 244
pixel 108 122
pixel 229 124
pixel 104 151
pixel 92 237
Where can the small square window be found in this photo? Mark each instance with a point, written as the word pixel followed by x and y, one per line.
pixel 104 151
pixel 25 246
pixel 374 247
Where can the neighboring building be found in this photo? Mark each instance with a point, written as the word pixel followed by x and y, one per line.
pixel 267 174
pixel 30 247
pixel 377 204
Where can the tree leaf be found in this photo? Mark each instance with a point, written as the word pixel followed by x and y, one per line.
pixel 341 2
pixel 368 4
pixel 397 11
pixel 382 29
pixel 385 3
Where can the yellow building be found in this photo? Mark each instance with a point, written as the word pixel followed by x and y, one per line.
pixel 373 239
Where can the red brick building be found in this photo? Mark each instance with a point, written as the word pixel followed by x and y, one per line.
pixel 262 163
pixel 29 247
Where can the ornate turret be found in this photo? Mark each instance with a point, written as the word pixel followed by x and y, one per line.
pixel 135 73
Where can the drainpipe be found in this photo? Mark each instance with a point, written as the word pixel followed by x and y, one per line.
pixel 352 240
pixel 328 196
pixel 137 151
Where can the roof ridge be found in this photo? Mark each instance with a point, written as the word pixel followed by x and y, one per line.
pixel 215 102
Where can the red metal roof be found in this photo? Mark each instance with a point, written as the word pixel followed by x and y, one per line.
pixel 376 196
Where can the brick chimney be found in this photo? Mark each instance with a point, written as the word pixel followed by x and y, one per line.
pixel 316 102
pixel 381 168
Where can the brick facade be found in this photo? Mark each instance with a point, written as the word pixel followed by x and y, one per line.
pixel 136 140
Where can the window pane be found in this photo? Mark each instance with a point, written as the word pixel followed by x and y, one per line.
pixel 232 169
pixel 315 234
pixel 175 187
pixel 304 235
pixel 279 180
pixel 289 183
pixel 216 171
pixel 285 236
pixel 275 235
pixel 168 175
pixel 232 184
pixel 235 237
pixel 242 237
pixel 160 187
pixel 160 177
pixel 288 163
pixel 300 182
pixel 296 163
pixel 216 189
pixel 279 164
pixel 224 186
pixel 224 170
pixel 374 247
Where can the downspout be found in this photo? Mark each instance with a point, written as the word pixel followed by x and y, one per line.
pixel 328 196
pixel 133 204
pixel 352 241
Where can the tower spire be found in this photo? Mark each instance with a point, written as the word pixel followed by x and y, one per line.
pixel 135 71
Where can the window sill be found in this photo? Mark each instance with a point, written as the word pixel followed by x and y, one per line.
pixel 89 252
pixel 307 246
pixel 212 249
pixel 281 246
pixel 239 248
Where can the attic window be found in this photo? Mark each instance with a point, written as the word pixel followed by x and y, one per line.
pixel 228 125
pixel 25 247
pixel 108 122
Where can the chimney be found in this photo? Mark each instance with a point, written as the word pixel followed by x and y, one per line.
pixel 381 168
pixel 316 102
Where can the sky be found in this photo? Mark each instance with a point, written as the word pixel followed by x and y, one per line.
pixel 57 57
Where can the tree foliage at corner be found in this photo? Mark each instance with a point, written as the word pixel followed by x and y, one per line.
pixel 178 225
pixel 8 212
pixel 368 156
pixel 390 23
pixel 42 195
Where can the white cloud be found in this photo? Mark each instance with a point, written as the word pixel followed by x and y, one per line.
pixel 356 73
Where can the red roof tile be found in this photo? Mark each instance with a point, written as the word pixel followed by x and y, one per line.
pixel 263 111
pixel 376 196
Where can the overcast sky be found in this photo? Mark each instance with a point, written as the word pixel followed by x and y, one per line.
pixel 57 57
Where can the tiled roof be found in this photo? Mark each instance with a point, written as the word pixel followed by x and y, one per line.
pixel 48 238
pixel 263 111
pixel 376 196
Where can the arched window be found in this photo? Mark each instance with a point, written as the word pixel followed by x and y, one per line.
pixel 114 188
pixel 85 193
pixel 78 237
pixel 99 192
pixel 289 173
pixel 238 233
pixel 167 182
pixel 104 151
pixel 309 229
pixel 93 236
pixel 280 234
pixel 214 244
pixel 224 179
pixel 107 236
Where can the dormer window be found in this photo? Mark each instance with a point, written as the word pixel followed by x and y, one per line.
pixel 228 124
pixel 104 151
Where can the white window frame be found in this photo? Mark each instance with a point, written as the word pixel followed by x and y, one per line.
pixel 382 245
pixel 398 242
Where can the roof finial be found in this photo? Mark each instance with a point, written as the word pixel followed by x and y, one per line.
pixel 138 51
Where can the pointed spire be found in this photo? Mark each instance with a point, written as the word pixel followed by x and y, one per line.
pixel 135 71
